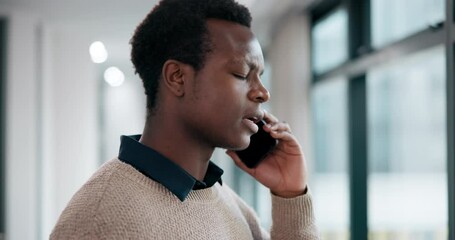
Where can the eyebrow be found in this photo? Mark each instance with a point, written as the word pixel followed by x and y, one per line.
pixel 250 64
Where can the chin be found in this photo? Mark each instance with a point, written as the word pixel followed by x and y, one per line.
pixel 239 144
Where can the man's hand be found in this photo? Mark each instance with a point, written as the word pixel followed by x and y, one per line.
pixel 283 171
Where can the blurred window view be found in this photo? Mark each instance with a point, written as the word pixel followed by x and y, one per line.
pixel 393 20
pixel 330 186
pixel 330 41
pixel 407 186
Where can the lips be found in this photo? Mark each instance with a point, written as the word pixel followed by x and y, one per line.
pixel 251 125
pixel 252 118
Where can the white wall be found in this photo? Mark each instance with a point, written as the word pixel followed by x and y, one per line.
pixel 70 119
pixel 289 57
pixel 124 111
pixel 21 128
pixel 52 122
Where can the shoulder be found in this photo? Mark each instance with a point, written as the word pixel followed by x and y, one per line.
pixel 229 193
pixel 115 193
pixel 76 218
pixel 231 196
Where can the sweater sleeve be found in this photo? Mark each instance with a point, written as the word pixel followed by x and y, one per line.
pixel 293 218
pixel 258 232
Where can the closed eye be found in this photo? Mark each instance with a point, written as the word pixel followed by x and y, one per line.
pixel 241 77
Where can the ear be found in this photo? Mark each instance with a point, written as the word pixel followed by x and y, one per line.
pixel 173 73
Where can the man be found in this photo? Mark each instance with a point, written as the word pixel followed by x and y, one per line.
pixel 201 66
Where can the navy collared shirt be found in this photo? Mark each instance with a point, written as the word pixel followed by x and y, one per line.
pixel 159 168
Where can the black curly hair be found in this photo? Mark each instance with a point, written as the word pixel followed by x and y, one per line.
pixel 177 29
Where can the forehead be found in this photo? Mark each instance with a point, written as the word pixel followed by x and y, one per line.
pixel 234 43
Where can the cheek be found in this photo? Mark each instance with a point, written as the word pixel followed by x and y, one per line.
pixel 220 106
pixel 230 98
pixel 221 97
pixel 220 110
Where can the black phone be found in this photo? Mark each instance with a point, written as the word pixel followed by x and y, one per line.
pixel 261 143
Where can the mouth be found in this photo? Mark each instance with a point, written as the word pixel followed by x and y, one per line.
pixel 251 120
pixel 255 117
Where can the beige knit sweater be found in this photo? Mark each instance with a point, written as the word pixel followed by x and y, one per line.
pixel 118 202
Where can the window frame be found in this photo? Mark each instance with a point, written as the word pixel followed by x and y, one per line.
pixel 3 54
pixel 450 92
pixel 361 58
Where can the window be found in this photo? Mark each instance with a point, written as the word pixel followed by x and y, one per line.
pixel 330 46
pixel 330 181
pixel 393 20
pixel 403 91
pixel 407 147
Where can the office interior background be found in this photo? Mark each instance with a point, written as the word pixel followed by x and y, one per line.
pixel 367 85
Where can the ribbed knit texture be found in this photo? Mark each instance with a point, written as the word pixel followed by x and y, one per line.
pixel 118 202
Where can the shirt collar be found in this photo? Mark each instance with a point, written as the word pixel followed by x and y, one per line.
pixel 159 168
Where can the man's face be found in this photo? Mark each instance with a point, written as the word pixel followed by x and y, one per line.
pixel 223 99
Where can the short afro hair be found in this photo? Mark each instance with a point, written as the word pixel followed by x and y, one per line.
pixel 177 29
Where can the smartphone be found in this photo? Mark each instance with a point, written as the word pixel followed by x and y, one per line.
pixel 261 143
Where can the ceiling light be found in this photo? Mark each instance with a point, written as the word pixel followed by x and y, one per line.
pixel 114 76
pixel 98 52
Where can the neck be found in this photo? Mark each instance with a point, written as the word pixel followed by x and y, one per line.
pixel 168 137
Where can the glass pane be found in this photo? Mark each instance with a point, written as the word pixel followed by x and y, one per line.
pixel 407 185
pixel 329 38
pixel 330 179
pixel 393 20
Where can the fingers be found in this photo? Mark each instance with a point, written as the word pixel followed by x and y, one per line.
pixel 278 130
pixel 279 127
pixel 274 124
pixel 282 135
pixel 269 118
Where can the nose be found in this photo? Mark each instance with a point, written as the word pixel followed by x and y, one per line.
pixel 258 93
